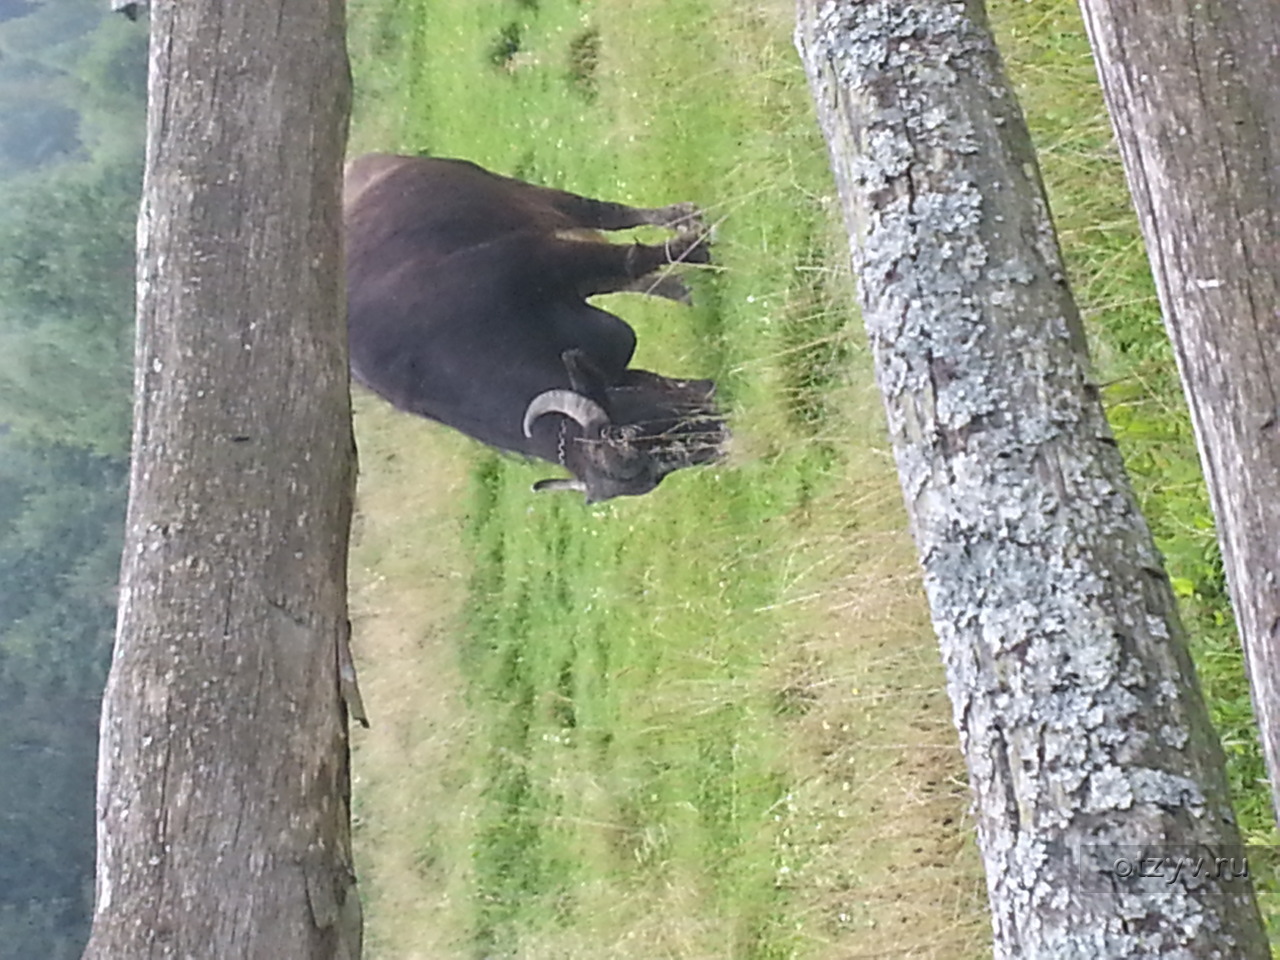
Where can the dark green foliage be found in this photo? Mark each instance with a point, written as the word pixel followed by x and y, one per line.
pixel 12 9
pixel 505 45
pixel 60 521
pixel 111 90
pixel 34 133
pixel 66 305
pixel 49 929
pixel 584 58
pixel 72 85
pixel 61 511
pixel 72 89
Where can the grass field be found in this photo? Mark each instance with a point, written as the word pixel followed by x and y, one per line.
pixel 708 722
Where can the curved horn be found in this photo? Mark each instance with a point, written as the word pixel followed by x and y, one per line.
pixel 588 414
pixel 560 483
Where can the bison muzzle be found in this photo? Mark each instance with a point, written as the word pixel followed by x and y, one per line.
pixel 467 304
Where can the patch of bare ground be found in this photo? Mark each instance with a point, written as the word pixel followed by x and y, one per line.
pixel 879 855
pixel 875 854
pixel 407 586
pixel 878 850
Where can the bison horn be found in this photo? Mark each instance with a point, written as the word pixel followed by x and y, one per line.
pixel 560 483
pixel 586 412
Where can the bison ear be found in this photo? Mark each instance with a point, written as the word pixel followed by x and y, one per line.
pixel 560 483
pixel 706 389
pixel 584 376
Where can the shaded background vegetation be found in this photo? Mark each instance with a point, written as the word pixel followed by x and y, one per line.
pixel 72 102
pixel 564 83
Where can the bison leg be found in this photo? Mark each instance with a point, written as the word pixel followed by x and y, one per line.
pixel 590 267
pixel 683 217
pixel 666 285
pixel 586 377
pixel 606 215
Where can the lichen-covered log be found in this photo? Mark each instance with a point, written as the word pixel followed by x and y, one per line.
pixel 1194 94
pixel 1084 731
pixel 223 789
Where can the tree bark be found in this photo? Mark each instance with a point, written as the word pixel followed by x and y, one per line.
pixel 1085 734
pixel 1192 91
pixel 223 791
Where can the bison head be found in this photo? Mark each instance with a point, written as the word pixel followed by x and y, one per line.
pixel 647 426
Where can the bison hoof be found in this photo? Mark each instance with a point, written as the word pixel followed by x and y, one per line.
pixel 666 285
pixel 683 217
pixel 689 248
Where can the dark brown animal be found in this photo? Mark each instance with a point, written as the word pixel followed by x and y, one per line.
pixel 467 296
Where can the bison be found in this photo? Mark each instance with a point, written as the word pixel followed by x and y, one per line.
pixel 467 303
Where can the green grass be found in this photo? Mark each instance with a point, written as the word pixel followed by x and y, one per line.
pixel 628 732
pixel 707 722
pixel 673 707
